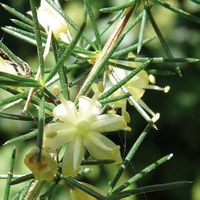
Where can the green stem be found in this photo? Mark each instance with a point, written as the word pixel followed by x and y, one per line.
pixel 142 29
pixel 161 38
pixel 34 190
pixel 40 49
pixel 109 48
pixel 22 138
pixel 89 191
pixel 142 173
pixel 125 51
pixel 129 156
pixel 62 71
pixel 22 179
pixel 179 11
pixel 113 99
pixel 120 7
pixel 66 54
pixel 10 175
pixel 41 122
pixel 148 189
pixel 164 60
pixel 13 98
pixel 21 34
pixel 123 81
pixel 17 14
pixel 93 23
pixel 17 117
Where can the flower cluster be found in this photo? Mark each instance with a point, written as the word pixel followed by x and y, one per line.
pixel 80 128
pixel 83 127
pixel 135 87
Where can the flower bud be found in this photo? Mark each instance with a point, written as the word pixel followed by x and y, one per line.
pixel 45 168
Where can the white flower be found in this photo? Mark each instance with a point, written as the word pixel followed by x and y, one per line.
pixel 136 87
pixel 51 20
pixel 81 128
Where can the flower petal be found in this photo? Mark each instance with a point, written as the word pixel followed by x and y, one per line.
pixel 49 18
pixel 72 158
pixel 108 123
pixel 140 80
pixel 137 93
pixel 56 135
pixel 88 108
pixel 101 147
pixel 66 111
pixel 121 73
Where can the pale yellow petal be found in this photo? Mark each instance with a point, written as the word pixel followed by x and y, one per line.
pixel 66 111
pixel 88 108
pixel 120 103
pixel 93 139
pixel 72 158
pixel 140 80
pixel 108 123
pixel 137 93
pixel 56 135
pixel 121 73
pixel 108 150
pixel 49 18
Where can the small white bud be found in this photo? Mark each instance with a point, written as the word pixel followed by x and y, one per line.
pixel 156 117
pixel 55 90
pixel 166 89
pixel 152 79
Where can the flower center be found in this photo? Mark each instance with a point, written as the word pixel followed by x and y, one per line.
pixel 83 128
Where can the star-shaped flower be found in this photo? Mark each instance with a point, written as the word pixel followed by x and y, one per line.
pixel 81 128
pixel 136 87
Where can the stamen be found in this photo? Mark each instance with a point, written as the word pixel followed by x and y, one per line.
pixel 156 117
pixel 132 100
pixel 155 87
pixel 144 105
pixel 152 79
pixel 166 89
